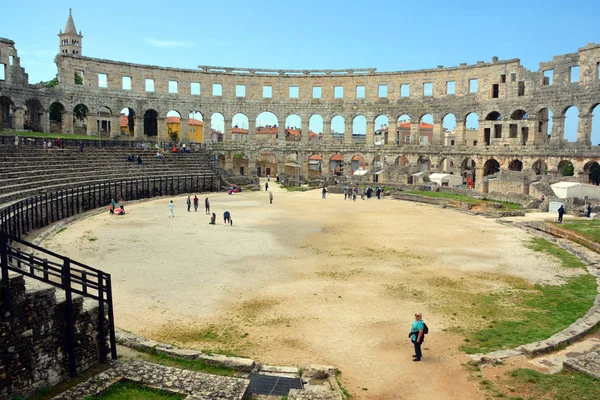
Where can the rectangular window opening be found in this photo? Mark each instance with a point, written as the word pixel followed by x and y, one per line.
pixel 598 70
pixel 428 89
pixel 78 77
pixel 195 88
pixel 102 80
pixel 267 92
pixel 495 91
pixel 548 77
pixel 149 85
pixel 294 92
pixel 316 92
pixel 217 89
pixel 473 85
pixel 451 87
pixel 360 92
pixel 405 90
pixel 575 74
pixel 521 88
pixel 240 90
pixel 173 87
pixel 382 91
pixel 503 78
pixel 126 83
pixel 338 92
pixel 513 77
pixel 11 60
pixel 2 72
pixel 407 139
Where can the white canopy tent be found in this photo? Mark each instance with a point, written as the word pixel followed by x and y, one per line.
pixel 570 190
pixel 446 179
pixel 360 172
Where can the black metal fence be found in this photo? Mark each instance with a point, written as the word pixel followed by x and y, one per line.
pixel 39 211
pixel 71 276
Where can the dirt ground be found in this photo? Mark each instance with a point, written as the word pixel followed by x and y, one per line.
pixel 307 280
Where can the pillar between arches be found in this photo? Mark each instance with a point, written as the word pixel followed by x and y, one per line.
pixel 584 135
pixel 92 125
pixel 67 122
pixel 115 126
pixel 281 132
pixel 558 129
pixel 138 128
pixel 415 133
pixel 252 135
pixel 326 131
pixel 437 134
pixel 305 131
pixel 184 128
pixel 18 119
pixel 161 123
pixel 370 132
pixel 228 127
pixel 207 130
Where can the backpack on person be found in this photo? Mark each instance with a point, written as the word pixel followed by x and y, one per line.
pixel 425 328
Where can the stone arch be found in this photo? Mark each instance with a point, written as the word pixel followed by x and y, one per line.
pixel 424 163
pixel 293 128
pixel 240 164
pixel 239 127
pixel 401 161
pixel 336 164
pixel 382 130
pixel 515 165
pixel 544 122
pixel 267 128
pixel 359 129
pixel 539 167
pixel 592 170
pixel 519 115
pixel 80 119
pixel 217 127
pixel 34 115
pixel 338 129
pixel 571 123
pixel 195 127
pixel 491 167
pixel 565 168
pixel 493 116
pixel 468 170
pixel 315 164
pixel 6 111
pixel 315 127
pixel 266 164
pixel 426 130
pixel 403 129
pixel 56 113
pixel 127 121
pixel 357 163
pixel 173 126
pixel 445 164
pixel 151 123
pixel 103 120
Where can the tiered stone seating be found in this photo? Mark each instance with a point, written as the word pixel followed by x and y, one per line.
pixel 29 170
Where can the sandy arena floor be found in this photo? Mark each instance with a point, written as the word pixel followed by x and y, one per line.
pixel 307 280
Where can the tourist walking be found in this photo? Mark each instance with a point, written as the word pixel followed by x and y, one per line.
pixel 16 140
pixel 378 193
pixel 270 197
pixel 207 206
pixel 354 193
pixel 345 192
pixel 268 177
pixel 171 209
pixel 189 203
pixel 324 193
pixel 227 218
pixel 122 205
pixel 195 203
pixel 589 210
pixel 416 335
pixel 561 212
pixel 81 147
pixel 266 186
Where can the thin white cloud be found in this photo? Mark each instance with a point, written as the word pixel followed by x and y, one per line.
pixel 169 43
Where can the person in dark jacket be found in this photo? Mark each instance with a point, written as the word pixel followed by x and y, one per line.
pixel 561 212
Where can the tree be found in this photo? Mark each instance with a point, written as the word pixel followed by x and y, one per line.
pixel 56 112
pixel 568 169
pixel 80 112
pixel 595 173
pixel 173 135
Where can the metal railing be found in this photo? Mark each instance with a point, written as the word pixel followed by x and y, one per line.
pixel 73 278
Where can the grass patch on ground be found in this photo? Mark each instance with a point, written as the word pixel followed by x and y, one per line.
pixel 464 199
pixel 134 391
pixel 191 365
pixel 295 188
pixel 589 229
pixel 567 385
pixel 338 377
pixel 538 311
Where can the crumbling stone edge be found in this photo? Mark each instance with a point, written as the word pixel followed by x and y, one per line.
pixel 573 332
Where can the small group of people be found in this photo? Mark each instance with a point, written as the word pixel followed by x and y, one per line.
pixel 47 144
pixel 159 155
pixel 112 209
pixel 132 158
pixel 561 212
pixel 350 192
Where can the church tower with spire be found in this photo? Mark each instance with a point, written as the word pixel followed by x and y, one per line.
pixel 70 40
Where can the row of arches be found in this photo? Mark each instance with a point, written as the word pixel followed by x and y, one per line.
pixel 519 127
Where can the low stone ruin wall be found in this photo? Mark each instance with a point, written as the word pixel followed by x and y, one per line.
pixel 33 351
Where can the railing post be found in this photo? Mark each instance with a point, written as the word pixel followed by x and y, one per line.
pixel 101 324
pixel 4 265
pixel 111 318
pixel 70 317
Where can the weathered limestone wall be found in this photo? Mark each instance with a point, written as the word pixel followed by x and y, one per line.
pixel 32 340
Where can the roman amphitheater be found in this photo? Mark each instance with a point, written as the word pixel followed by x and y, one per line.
pixel 312 283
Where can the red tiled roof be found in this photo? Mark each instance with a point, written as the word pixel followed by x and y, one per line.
pixel 124 121
pixel 267 130
pixel 191 121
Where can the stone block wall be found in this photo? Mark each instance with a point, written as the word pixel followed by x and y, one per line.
pixel 33 352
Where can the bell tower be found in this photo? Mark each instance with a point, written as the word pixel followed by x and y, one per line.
pixel 70 40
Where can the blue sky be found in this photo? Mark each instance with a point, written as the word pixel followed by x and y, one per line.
pixel 387 35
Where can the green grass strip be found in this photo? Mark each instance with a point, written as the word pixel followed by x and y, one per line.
pixel 191 365
pixel 566 385
pixel 540 310
pixel 589 229
pixel 134 391
pixel 462 198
